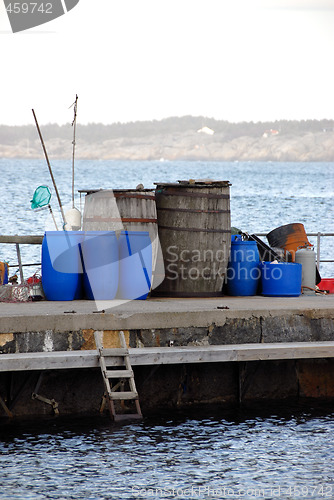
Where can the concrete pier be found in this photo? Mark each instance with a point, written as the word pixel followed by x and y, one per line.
pixel 198 326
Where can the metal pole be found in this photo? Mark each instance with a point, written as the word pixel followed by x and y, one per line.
pixel 50 170
pixel 19 261
pixel 318 250
pixel 74 123
pixel 53 217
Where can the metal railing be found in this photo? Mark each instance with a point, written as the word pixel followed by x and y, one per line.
pixel 37 240
pixel 318 236
pixel 21 240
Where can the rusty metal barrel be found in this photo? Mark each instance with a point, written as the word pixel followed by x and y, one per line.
pixel 194 227
pixel 290 237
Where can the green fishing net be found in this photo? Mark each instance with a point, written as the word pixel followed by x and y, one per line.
pixel 42 197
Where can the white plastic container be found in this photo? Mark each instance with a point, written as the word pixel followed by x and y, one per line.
pixel 306 257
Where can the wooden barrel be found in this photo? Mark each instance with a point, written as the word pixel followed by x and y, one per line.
pixel 194 226
pixel 119 209
pixel 122 209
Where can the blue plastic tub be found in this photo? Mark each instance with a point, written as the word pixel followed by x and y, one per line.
pixel 100 264
pixel 135 265
pixel 283 279
pixel 243 271
pixel 61 265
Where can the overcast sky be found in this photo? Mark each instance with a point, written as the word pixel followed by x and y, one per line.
pixel 128 60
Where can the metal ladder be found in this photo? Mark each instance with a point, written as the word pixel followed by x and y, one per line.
pixel 116 393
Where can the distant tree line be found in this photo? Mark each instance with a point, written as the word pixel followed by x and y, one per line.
pixel 97 132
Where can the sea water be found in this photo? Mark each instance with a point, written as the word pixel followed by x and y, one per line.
pixel 264 195
pixel 279 452
pixel 212 453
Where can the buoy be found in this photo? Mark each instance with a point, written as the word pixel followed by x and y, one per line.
pixel 73 220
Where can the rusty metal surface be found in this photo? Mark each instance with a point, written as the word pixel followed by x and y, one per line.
pixel 316 378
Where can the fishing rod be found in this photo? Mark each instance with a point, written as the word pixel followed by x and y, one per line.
pixel 50 170
pixel 73 215
pixel 74 124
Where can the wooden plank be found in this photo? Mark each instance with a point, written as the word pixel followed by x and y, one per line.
pixel 168 355
pixel 49 360
pixel 117 351
pixel 123 395
pixel 229 353
pixel 28 240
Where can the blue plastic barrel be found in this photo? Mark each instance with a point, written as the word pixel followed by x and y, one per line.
pixel 100 263
pixel 3 273
pixel 61 265
pixel 283 279
pixel 135 265
pixel 243 271
pixel 5 278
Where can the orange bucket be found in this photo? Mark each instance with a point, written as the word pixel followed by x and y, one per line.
pixel 289 237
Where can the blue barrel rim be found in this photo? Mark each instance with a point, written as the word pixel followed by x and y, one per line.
pixel 63 232
pixel 268 262
pixel 243 242
pixel 98 233
pixel 132 233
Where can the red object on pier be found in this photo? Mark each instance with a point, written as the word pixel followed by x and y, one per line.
pixel 327 284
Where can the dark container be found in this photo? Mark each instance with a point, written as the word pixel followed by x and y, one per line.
pixel 289 237
pixel 194 225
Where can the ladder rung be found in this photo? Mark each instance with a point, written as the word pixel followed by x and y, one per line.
pixel 118 351
pixel 123 395
pixel 119 373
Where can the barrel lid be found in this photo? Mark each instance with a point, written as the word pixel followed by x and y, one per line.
pixel 90 191
pixel 200 183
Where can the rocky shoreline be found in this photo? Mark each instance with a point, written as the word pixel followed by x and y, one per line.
pixel 201 144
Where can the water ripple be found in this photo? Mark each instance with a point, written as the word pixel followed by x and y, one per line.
pixel 172 458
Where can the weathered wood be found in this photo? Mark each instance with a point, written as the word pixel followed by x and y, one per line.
pixel 132 382
pixel 229 353
pixel 24 240
pixel 194 225
pixel 118 209
pixel 49 360
pixel 98 335
pixel 112 393
pixel 117 351
pixel 123 396
pixel 119 373
pixel 167 355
